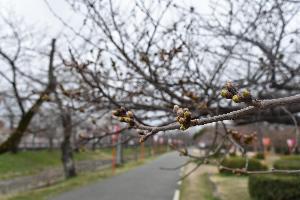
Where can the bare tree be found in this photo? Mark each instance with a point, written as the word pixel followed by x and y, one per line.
pixel 144 61
pixel 12 58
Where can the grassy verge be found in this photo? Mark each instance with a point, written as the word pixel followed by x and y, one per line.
pixel 30 162
pixel 197 186
pixel 231 187
pixel 80 180
pixel 204 192
pixel 200 185
pixel 207 184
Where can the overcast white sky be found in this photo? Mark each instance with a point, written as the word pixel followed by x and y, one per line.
pixel 36 11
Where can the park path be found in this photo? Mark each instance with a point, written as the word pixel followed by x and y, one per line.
pixel 148 182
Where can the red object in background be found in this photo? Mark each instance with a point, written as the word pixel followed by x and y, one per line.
pixel 117 129
pixel 291 143
pixel 266 141
pixel 161 140
pixel 155 138
pixel 116 133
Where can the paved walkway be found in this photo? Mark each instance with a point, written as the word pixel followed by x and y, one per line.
pixel 147 182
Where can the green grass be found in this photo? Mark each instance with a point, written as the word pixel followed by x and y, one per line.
pixel 231 187
pixel 30 162
pixel 203 191
pixel 81 180
pixel 206 188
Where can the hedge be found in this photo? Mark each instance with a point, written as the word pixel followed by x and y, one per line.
pixel 239 163
pixel 288 163
pixel 259 156
pixel 274 187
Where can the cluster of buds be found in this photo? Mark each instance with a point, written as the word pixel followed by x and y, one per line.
pixel 124 116
pixel 184 117
pixel 243 138
pixel 230 92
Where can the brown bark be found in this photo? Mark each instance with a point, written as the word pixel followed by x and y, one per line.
pixel 66 147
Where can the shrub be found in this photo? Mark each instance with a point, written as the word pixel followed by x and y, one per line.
pixel 239 163
pixel 288 163
pixel 260 156
pixel 274 187
pixel 232 154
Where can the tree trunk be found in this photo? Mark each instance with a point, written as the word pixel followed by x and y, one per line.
pixel 66 148
pixel 14 149
pixel 50 139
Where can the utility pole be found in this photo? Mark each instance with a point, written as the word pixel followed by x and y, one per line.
pixel 119 149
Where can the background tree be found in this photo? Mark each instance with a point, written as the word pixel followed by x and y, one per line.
pixel 18 71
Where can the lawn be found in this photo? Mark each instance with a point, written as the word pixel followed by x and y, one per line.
pixel 231 187
pixel 81 180
pixel 197 186
pixel 207 184
pixel 30 162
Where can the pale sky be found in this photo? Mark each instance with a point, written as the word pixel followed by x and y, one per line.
pixel 36 12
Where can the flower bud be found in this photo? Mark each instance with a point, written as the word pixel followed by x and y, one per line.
pixel 130 114
pixel 181 120
pixel 231 88
pixel 131 123
pixel 229 85
pixel 246 94
pixel 185 109
pixel 226 94
pixel 180 112
pixel 122 119
pixel 236 98
pixel 187 115
pixel 127 119
pixel 175 109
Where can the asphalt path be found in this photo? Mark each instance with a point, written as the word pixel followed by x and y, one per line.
pixel 147 182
